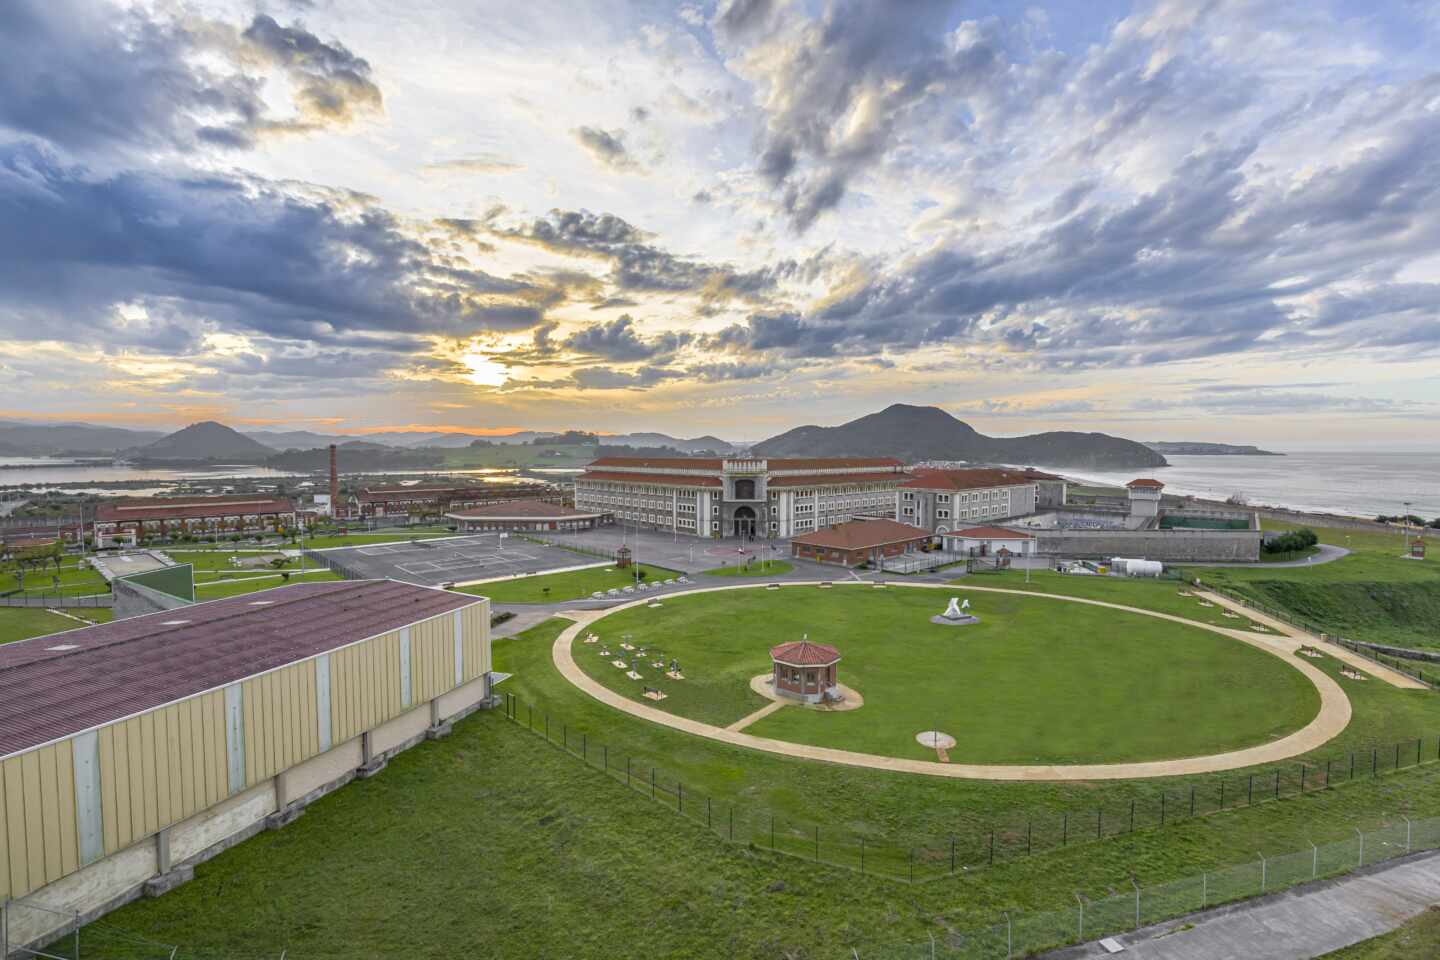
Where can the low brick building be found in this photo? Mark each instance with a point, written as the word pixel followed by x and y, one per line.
pixel 527 515
pixel 201 516
pixel 420 500
pixel 859 541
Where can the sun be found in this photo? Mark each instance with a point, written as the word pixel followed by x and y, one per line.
pixel 484 371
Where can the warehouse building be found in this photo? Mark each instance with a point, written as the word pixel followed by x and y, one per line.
pixel 532 515
pixel 428 500
pixel 123 521
pixel 132 750
pixel 859 542
pixel 740 497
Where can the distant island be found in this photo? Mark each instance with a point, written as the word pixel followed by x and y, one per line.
pixel 1187 449
pixel 913 433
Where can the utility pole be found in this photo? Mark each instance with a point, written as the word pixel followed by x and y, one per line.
pixel 1406 520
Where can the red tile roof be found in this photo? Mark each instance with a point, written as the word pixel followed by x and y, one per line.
pixel 829 463
pixel 1145 482
pixel 661 463
pixel 830 479
pixel 520 510
pixel 667 479
pixel 967 479
pixel 717 463
pixel 190 508
pixel 803 653
pixel 130 666
pixel 862 534
pixel 991 533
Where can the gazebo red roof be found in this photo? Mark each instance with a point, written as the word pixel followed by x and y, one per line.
pixel 803 653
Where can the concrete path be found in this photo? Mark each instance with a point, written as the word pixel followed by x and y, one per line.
pixel 1302 637
pixel 1333 717
pixel 1300 924
pixel 760 714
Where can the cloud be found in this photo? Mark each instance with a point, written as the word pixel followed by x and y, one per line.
pixel 619 341
pixel 91 78
pixel 474 163
pixel 606 148
pixel 608 378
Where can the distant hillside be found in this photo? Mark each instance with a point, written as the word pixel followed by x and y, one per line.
pixel 49 439
pixel 205 441
pixel 1185 448
pixel 354 456
pixel 929 433
pixel 697 445
pixel 298 439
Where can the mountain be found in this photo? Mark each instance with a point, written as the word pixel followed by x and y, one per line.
pixel 712 444
pixel 929 433
pixel 48 439
pixel 205 441
pixel 1187 448
pixel 355 456
pixel 296 439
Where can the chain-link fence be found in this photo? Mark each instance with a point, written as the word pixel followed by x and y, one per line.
pixel 1020 933
pixel 1010 835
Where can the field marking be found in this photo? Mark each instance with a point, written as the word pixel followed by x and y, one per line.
pixel 1379 671
pixel 1329 722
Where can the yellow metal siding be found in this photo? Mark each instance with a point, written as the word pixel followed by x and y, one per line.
pixel 364 686
pixel 432 657
pixel 39 839
pixel 281 727
pixel 476 634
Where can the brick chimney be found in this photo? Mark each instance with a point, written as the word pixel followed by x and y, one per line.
pixel 334 485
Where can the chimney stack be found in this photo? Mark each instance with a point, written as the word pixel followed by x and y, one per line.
pixel 334 485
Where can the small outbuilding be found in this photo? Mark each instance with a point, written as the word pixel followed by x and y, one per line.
pixel 805 671
pixel 990 542
pixel 859 541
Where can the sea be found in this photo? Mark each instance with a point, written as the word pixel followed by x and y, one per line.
pixel 1354 484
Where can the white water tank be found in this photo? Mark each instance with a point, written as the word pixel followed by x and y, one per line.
pixel 1137 568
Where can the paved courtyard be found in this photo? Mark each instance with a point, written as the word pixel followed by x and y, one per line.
pixel 677 552
pixel 453 559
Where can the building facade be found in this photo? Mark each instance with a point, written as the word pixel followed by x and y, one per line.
pixel 127 520
pixel 531 515
pixel 944 500
pixel 739 497
pixel 990 542
pixel 859 542
pixel 201 726
pixel 432 501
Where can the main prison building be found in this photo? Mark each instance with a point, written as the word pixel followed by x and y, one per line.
pixel 740 497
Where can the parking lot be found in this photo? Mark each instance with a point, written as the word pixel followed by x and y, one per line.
pixel 451 560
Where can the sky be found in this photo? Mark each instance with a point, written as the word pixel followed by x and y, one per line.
pixel 1173 220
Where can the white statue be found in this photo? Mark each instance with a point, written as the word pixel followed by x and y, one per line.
pixel 953 612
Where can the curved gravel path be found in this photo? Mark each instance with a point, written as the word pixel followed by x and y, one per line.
pixel 1334 712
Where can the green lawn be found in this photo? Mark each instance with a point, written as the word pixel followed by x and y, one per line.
pixel 215 589
pixel 1036 681
pixel 570 585
pixel 771 568
pixel 21 623
pixel 1419 937
pixel 1373 594
pixel 75 578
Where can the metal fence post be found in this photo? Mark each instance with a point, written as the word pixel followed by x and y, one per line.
pixel 652 783
pixel 1204 890
pixel 1277 784
pixel 992 847
pixel 1009 937
pixel 1361 861
pixel 1080 931
pixel 1407 832
pixel 1137 902
pixel 1250 791
pixel 1314 860
pixel 1264 871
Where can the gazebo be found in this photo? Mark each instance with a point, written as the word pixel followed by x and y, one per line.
pixel 805 671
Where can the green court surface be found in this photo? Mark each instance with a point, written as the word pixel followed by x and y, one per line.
pixel 1038 680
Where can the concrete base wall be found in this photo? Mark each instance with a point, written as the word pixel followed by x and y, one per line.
pixel 109 883
pixel 1171 546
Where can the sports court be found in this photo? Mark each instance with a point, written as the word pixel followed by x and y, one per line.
pixel 453 559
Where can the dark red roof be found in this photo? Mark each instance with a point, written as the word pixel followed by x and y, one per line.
pixel 115 670
pixel 1145 482
pixel 661 463
pixel 977 478
pixel 831 479
pixel 718 463
pixel 991 533
pixel 831 463
pixel 862 534
pixel 803 653
pixel 520 509
pixel 669 479
pixel 190 508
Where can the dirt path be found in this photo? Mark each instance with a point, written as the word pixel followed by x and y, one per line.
pixel 760 714
pixel 1333 717
pixel 1295 638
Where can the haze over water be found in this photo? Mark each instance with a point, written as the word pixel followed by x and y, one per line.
pixel 1362 484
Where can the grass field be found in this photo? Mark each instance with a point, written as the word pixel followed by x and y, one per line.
pixel 75 579
pixel 771 568
pixel 215 589
pixel 1036 681
pixel 1416 938
pixel 493 844
pixel 21 623
pixel 1163 596
pixel 570 585
pixel 1372 595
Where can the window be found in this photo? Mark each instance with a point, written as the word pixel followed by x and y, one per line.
pixel 909 495
pixel 943 514
pixel 715 525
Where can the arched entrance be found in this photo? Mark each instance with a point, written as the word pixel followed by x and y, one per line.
pixel 744 523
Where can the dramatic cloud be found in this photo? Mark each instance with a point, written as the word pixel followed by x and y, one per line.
pixel 607 148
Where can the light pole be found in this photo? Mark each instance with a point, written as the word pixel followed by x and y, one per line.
pixel 1406 521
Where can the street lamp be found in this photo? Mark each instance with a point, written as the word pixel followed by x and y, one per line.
pixel 1406 520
